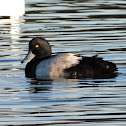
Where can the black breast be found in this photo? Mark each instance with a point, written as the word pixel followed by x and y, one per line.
pixel 31 68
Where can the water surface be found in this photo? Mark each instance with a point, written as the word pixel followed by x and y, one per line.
pixel 88 28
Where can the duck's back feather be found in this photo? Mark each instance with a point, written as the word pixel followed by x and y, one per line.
pixel 93 67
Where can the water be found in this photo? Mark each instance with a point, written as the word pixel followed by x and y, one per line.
pixel 84 27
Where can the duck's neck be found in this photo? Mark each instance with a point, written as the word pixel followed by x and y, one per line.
pixel 41 58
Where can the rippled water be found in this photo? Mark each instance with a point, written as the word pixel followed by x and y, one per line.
pixel 84 27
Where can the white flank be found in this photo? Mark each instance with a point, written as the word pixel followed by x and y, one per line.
pixel 54 67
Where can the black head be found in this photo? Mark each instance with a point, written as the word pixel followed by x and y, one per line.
pixel 39 48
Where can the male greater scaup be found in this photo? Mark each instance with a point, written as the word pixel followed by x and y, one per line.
pixel 41 64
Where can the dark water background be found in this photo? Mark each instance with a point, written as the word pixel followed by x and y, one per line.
pixel 85 27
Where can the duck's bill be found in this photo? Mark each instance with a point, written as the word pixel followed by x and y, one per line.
pixel 29 56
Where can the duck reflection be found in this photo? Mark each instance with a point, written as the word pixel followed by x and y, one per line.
pixel 47 86
pixel 40 86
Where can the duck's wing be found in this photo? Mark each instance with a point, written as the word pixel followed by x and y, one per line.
pixel 93 67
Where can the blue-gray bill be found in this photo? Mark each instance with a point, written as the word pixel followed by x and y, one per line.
pixel 29 56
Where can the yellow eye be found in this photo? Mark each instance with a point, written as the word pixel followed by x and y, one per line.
pixel 37 46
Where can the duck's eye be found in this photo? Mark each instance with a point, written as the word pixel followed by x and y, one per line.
pixel 36 46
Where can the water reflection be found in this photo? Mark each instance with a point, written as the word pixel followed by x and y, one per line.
pixel 11 12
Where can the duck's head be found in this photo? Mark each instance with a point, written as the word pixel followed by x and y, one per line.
pixel 39 48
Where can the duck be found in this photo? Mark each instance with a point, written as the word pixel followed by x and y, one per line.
pixel 41 64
